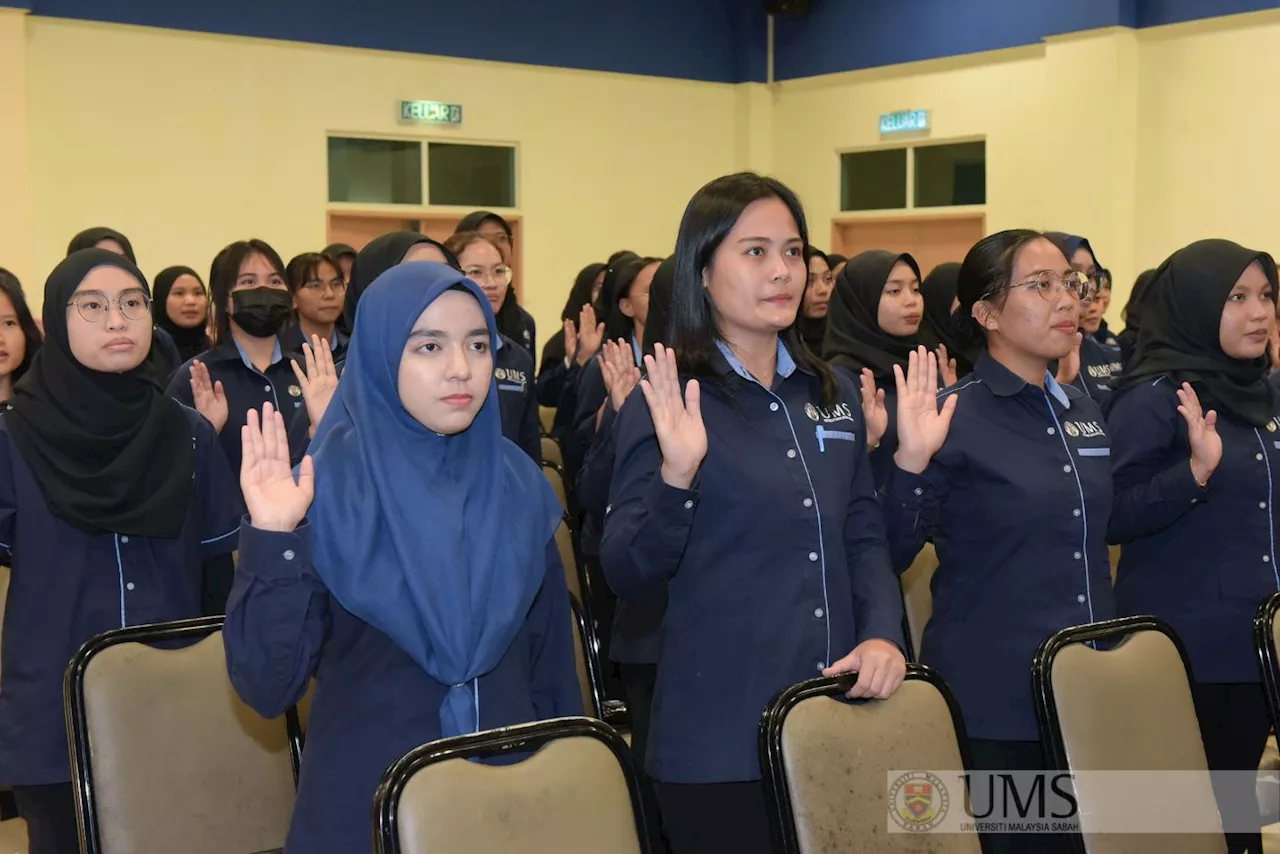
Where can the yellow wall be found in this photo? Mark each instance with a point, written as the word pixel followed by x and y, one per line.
pixel 188 141
pixel 15 188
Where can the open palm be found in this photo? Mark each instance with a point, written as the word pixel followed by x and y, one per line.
pixel 677 421
pixel 275 501
pixel 1202 434
pixel 209 398
pixel 320 379
pixel 922 426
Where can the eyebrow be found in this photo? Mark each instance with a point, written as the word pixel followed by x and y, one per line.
pixel 768 240
pixel 94 292
pixel 437 333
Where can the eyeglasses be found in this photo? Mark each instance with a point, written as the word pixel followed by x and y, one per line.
pixel 498 275
pixel 94 307
pixel 316 286
pixel 825 278
pixel 1049 285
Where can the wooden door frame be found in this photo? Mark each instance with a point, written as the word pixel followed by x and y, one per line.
pixel 849 218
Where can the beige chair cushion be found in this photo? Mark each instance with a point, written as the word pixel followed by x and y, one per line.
pixel 557 485
pixel 564 544
pixel 551 451
pixel 13 836
pixel 838 757
pixel 179 762
pixel 917 598
pixel 570 796
pixel 547 416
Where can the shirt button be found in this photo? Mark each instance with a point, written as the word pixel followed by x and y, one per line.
pixel 1051 431
pixel 1262 505
pixel 817 612
pixel 266 388
pixel 1077 555
pixel 813 556
pixel 1076 512
pixel 1195 501
pixel 791 453
pixel 288 554
pixel 1258 457
pixel 129 586
pixel 124 539
pixel 1080 598
pixel 688 505
pixel 808 502
pixel 821 665
pixel 1266 558
pixel 773 407
pixel 1067 469
pixel 918 491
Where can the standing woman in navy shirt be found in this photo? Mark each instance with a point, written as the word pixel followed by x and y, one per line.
pixel 1100 359
pixel 1197 475
pixel 111 494
pixel 751 502
pixel 423 589
pixel 1010 474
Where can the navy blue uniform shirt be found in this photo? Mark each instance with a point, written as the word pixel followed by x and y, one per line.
pixel 248 388
pixel 517 397
pixel 1017 500
pixel 1100 365
pixel 68 585
pixel 292 339
pixel 1202 559
pixel 774 561
pixel 373 703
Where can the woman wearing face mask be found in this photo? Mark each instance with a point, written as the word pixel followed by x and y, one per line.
pixel 750 501
pixel 1009 472
pixel 577 342
pixel 872 327
pixel 246 366
pixel 812 321
pixel 1194 427
pixel 111 495
pixel 319 290
pixel 20 338
pixel 422 582
pixel 181 308
pixel 513 321
pixel 1099 362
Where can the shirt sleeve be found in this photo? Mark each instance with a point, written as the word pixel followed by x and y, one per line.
pixel 277 619
pixel 553 666
pixel 591 395
pixel 179 387
pixel 592 487
pixel 299 436
pixel 647 523
pixel 877 595
pixel 551 378
pixel 912 506
pixel 8 498
pixel 221 504
pixel 530 428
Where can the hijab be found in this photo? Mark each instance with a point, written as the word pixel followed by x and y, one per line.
pixel 854 338
pixel 191 341
pixel 110 452
pixel 579 296
pixel 1182 316
pixel 1132 313
pixel 475 219
pixel 938 325
pixel 439 542
pixel 337 250
pixel 90 237
pixel 1070 244
pixel 379 256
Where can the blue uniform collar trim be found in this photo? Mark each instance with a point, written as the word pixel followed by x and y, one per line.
pixel 786 364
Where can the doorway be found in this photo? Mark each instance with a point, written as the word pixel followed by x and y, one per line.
pixel 930 240
pixel 357 229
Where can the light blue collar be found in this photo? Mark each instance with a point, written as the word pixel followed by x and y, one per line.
pixel 1051 385
pixel 639 354
pixel 276 355
pixel 786 365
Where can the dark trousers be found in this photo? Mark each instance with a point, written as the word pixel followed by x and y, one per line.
pixel 715 818
pixel 638 681
pixel 1234 724
pixel 50 814
pixel 993 755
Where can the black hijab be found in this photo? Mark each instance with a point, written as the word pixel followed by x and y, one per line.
pixel 379 256
pixel 475 219
pixel 854 338
pixel 337 250
pixel 579 296
pixel 1182 316
pixel 938 326
pixel 90 237
pixel 110 452
pixel 191 341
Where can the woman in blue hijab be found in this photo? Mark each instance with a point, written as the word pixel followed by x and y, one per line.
pixel 421 587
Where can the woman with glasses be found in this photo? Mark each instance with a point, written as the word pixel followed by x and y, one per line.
pixel 1010 473
pixel 484 263
pixel 319 289
pixel 812 321
pixel 1196 429
pixel 1100 361
pixel 111 494
pixel 513 321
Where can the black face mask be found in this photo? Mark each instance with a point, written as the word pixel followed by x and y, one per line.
pixel 261 312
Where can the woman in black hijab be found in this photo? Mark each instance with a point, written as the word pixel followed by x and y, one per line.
pixel 876 289
pixel 938 328
pixel 513 321
pixel 555 361
pixel 1132 315
pixel 102 237
pixel 1195 437
pixel 184 313
pixel 383 253
pixel 119 489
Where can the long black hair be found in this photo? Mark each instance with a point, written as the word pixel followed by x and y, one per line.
pixel 616 288
pixel 708 219
pixel 223 274
pixel 657 330
pixel 986 273
pixel 12 288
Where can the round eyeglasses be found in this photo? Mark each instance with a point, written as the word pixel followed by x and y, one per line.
pixel 94 306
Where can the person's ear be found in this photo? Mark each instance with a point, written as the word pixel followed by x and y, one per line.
pixel 987 315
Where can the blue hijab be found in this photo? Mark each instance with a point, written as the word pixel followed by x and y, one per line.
pixel 439 542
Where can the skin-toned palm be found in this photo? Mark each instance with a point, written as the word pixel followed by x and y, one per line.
pixel 677 422
pixel 922 427
pixel 873 408
pixel 947 366
pixel 319 381
pixel 621 373
pixel 590 335
pixel 1202 433
pixel 275 501
pixel 209 398
pixel 880 666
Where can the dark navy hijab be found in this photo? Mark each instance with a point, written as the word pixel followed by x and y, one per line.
pixel 439 542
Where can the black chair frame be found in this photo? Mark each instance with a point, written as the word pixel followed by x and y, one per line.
pixel 1268 657
pixel 592 655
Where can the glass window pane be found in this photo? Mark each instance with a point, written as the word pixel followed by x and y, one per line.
pixel 480 176
pixel 951 174
pixel 375 171
pixel 873 180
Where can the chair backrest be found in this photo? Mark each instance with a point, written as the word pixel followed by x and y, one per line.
pixel 587 658
pixel 1266 638
pixel 4 593
pixel 917 598
pixel 576 792
pixel 1114 553
pixel 1116 696
pixel 569 557
pixel 826 764
pixel 555 476
pixel 551 452
pixel 165 755
pixel 547 418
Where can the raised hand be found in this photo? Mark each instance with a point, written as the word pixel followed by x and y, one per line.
pixel 873 409
pixel 922 427
pixel 880 666
pixel 570 341
pixel 621 373
pixel 319 381
pixel 1069 365
pixel 947 366
pixel 275 501
pixel 209 398
pixel 1202 432
pixel 677 422
pixel 590 335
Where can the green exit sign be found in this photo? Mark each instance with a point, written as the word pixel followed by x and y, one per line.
pixel 904 121
pixel 430 112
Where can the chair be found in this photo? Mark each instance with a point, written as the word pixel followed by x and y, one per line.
pixel 547 418
pixel 1114 553
pixel 551 452
pixel 1127 708
pixel 165 756
pixel 826 766
pixel 577 792
pixel 587 657
pixel 1267 641
pixel 555 476
pixel 917 597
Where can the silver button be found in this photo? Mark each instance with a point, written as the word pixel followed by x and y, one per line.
pixel 266 388
pixel 1067 469
pixel 821 665
pixel 817 612
pixel 1076 512
pixel 808 502
pixel 288 554
pixel 124 539
pixel 813 555
pixel 688 505
pixel 1266 558
pixel 918 491
pixel 1262 505
pixel 1080 598
pixel 791 453
pixel 773 407
pixel 1077 555
pixel 1051 431
pixel 1258 457
pixel 129 586
pixel 1195 501
pixel 608 509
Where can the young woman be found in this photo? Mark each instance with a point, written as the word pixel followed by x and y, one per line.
pixel 1132 316
pixel 482 262
pixel 111 494
pixel 1009 472
pixel 246 367
pixel 20 338
pixel 319 290
pixel 1099 359
pixel 817 295
pixel 383 253
pixel 836 263
pixel 750 502
pixel 938 327
pixel 513 321
pixel 181 308
pixel 561 349
pixel 1194 428
pixel 345 255
pixel 873 326
pixel 422 586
